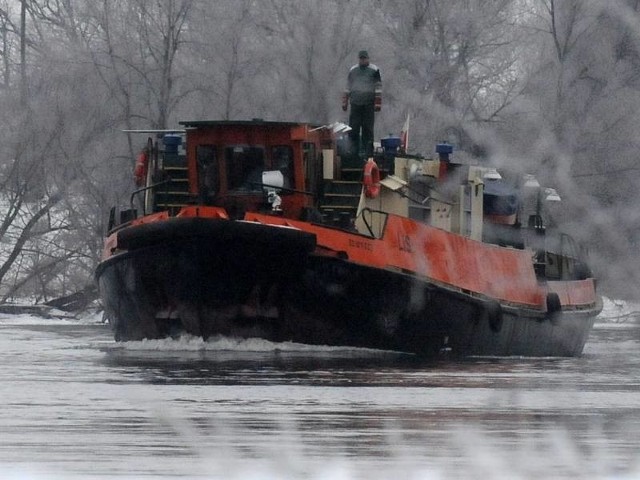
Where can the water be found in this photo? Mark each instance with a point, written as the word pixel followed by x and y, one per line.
pixel 77 405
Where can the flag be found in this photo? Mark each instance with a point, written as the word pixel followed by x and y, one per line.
pixel 404 136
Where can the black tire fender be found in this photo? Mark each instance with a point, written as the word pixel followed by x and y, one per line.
pixel 492 311
pixel 553 307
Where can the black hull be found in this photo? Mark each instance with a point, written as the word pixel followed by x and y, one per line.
pixel 376 308
pixel 200 276
pixel 275 289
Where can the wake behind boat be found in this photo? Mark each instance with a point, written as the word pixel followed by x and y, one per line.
pixel 273 230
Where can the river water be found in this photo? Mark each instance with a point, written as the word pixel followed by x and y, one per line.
pixel 77 405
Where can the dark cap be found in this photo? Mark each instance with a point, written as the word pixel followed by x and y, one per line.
pixel 363 54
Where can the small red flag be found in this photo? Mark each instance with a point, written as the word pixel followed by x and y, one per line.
pixel 404 136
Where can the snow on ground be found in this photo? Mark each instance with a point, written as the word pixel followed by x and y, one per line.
pixel 619 311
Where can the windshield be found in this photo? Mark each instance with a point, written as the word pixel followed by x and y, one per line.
pixel 245 165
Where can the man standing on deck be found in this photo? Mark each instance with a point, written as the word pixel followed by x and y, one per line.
pixel 364 91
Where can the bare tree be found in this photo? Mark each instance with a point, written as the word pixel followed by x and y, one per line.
pixel 225 55
pixel 546 85
pixel 576 119
pixel 456 64
pixel 9 43
pixel 313 45
pixel 134 47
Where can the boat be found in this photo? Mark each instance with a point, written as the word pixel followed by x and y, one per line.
pixel 275 230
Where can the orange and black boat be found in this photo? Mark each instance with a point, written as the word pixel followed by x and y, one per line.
pixel 273 230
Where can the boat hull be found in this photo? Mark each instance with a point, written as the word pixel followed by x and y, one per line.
pixel 277 287
pixel 201 276
pixel 391 310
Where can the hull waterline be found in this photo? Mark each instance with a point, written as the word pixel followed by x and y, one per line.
pixel 204 287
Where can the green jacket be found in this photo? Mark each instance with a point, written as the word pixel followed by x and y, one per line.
pixel 363 84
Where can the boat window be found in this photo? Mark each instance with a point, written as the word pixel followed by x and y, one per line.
pixel 310 166
pixel 208 172
pixel 374 222
pixel 282 160
pixel 245 165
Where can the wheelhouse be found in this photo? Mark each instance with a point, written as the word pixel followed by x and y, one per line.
pixel 236 164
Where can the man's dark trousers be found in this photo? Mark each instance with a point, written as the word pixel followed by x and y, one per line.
pixel 362 117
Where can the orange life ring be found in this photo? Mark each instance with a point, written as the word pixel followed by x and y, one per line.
pixel 371 179
pixel 140 169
